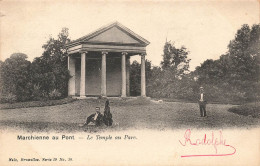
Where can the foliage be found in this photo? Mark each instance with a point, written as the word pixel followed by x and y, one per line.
pixel 233 78
pixel 164 87
pixel 50 71
pixel 15 78
pixel 41 103
pixel 45 78
pixel 38 94
pixel 8 98
pixel 54 94
pixel 135 77
pixel 235 75
pixel 171 80
pixel 175 60
pixel 252 109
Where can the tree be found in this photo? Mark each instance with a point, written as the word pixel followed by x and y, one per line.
pixel 235 75
pixel 50 71
pixel 168 80
pixel 154 82
pixel 55 49
pixel 1 77
pixel 175 59
pixel 45 78
pixel 16 78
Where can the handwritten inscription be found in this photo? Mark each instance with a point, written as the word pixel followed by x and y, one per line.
pixel 206 140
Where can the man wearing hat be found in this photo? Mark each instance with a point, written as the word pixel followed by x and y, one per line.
pixel 202 102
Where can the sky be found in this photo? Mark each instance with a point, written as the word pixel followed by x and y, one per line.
pixel 205 28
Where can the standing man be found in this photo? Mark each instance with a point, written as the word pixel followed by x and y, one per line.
pixel 202 102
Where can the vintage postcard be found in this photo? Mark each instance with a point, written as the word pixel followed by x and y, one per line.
pixel 142 82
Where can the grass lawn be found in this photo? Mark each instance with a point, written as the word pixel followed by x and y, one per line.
pixel 127 114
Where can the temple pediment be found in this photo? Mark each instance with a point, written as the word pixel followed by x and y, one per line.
pixel 114 35
pixel 113 38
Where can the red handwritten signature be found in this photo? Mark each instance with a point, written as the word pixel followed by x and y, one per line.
pixel 212 141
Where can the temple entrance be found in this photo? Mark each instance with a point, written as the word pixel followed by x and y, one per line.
pixel 114 82
pixel 93 76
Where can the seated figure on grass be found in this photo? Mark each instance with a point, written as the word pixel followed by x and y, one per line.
pixel 96 118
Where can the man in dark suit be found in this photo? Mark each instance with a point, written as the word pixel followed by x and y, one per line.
pixel 202 102
pixel 96 118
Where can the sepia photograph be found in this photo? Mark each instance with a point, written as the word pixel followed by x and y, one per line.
pixel 130 82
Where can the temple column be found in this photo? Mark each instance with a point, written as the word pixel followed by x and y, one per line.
pixel 123 66
pixel 128 76
pixel 143 93
pixel 103 75
pixel 72 71
pixel 83 75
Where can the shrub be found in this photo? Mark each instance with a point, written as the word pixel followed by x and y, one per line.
pixel 42 103
pixel 38 94
pixel 247 110
pixel 54 94
pixel 8 98
pixel 16 78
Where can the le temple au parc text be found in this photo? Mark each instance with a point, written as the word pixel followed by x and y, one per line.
pixel 73 137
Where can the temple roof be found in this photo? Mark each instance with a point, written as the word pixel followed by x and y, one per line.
pixel 114 33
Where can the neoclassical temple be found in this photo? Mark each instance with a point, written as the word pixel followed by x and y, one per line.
pixel 99 62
